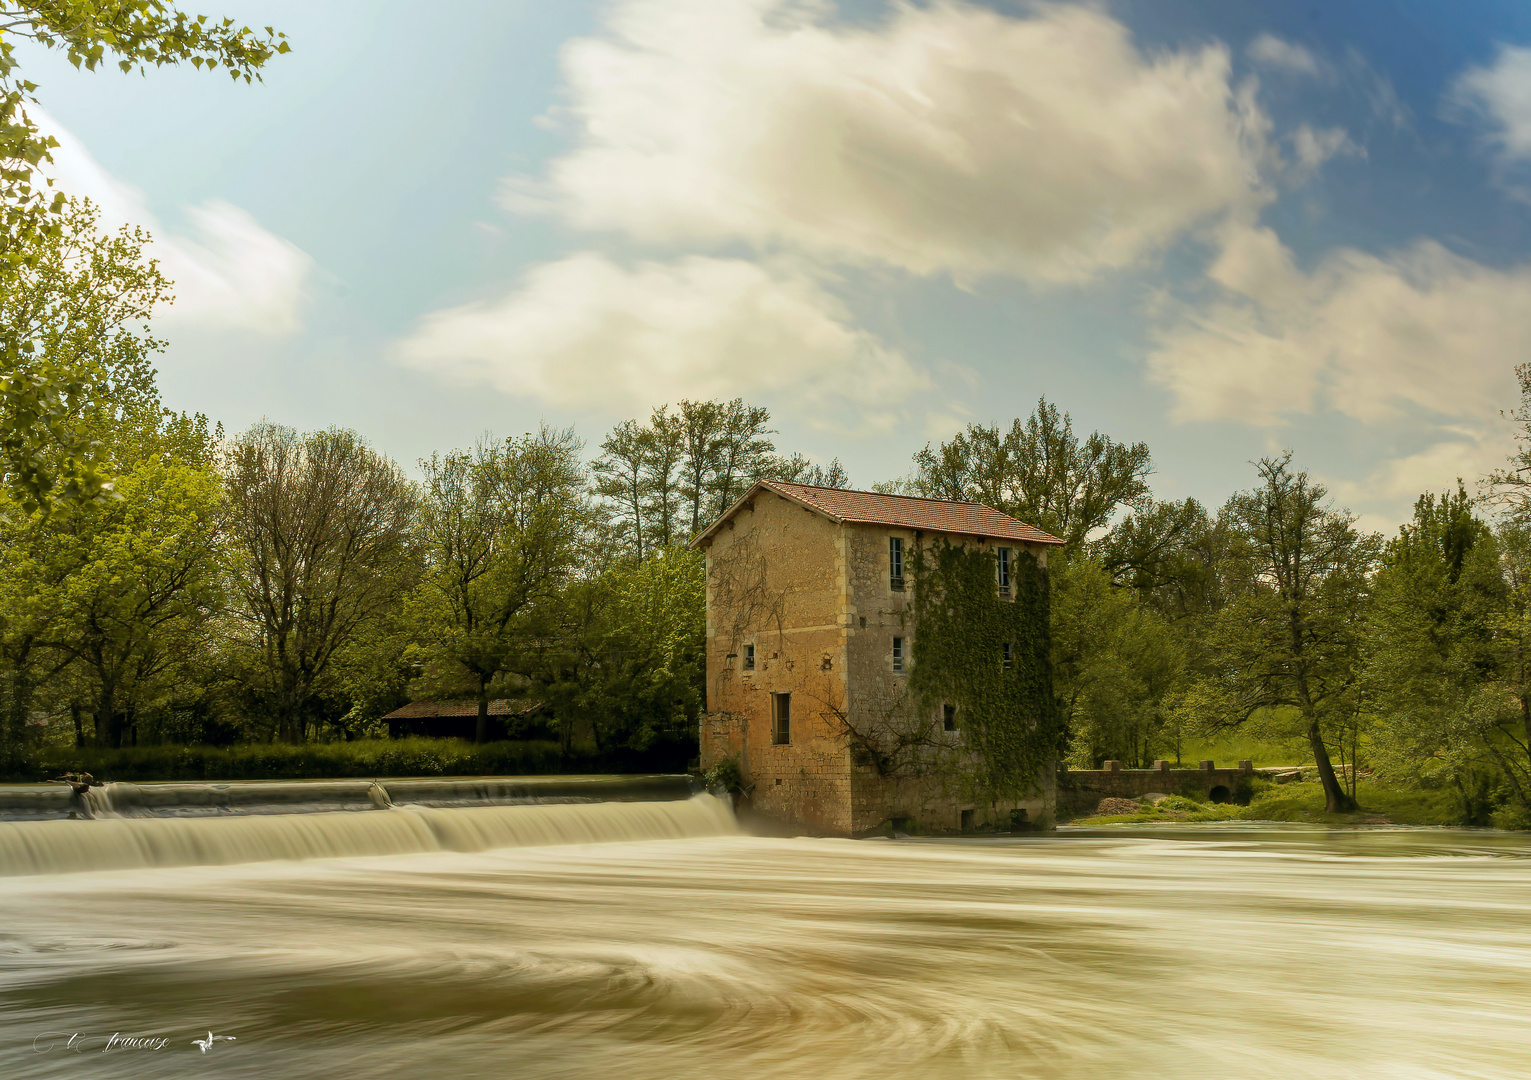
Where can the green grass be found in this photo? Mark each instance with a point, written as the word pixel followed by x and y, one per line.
pixel 363 758
pixel 1398 806
pixel 1228 750
pixel 1380 804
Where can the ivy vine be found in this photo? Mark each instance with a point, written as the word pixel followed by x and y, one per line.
pixel 1011 720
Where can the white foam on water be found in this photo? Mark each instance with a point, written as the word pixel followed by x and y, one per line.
pixel 59 847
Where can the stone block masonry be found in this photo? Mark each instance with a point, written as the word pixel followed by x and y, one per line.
pixel 1079 791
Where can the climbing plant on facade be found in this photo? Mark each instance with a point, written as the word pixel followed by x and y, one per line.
pixel 989 657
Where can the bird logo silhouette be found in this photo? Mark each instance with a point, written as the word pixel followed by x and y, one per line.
pixel 207 1043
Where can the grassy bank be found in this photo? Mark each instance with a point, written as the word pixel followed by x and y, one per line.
pixel 363 758
pixel 1380 805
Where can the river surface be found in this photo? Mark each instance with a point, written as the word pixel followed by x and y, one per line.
pixel 1232 951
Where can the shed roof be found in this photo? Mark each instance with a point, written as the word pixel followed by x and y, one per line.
pixel 895 511
pixel 423 710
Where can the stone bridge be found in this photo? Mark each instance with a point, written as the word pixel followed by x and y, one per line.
pixel 1080 790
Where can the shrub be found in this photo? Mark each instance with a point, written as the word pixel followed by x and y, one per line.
pixel 1513 817
pixel 726 776
pixel 362 758
pixel 1179 802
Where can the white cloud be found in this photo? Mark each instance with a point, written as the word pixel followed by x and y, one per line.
pixel 1275 53
pixel 1463 452
pixel 1312 147
pixel 228 270
pixel 1502 93
pixel 584 332
pixel 950 138
pixel 1421 341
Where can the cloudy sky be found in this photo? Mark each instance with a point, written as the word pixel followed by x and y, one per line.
pixel 1222 227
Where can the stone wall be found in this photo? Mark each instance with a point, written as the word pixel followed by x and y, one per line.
pixel 781 569
pixel 1079 791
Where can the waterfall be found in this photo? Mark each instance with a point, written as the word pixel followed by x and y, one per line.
pixel 127 843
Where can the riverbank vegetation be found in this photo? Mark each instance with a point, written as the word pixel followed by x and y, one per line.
pixel 1380 803
pixel 224 594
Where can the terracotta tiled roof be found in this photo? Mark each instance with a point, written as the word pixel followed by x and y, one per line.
pixel 899 512
pixel 419 710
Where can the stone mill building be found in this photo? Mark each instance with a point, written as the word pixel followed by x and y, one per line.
pixel 809 640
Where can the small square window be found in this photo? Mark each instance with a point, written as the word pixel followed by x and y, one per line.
pixel 749 658
pixel 948 718
pixel 896 561
pixel 781 719
pixel 1004 571
pixel 898 654
pixel 1009 658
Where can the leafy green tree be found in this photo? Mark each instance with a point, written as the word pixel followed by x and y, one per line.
pixel 43 452
pixel 1117 667
pixel 1291 638
pixel 1040 472
pixel 77 351
pixel 80 302
pixel 1436 651
pixel 144 576
pixel 502 529
pixel 667 479
pixel 320 546
pixel 635 665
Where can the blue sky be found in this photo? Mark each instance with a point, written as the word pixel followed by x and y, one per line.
pixel 1223 228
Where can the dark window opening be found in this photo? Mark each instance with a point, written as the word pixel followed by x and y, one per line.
pixel 1009 658
pixel 749 658
pixel 781 719
pixel 896 561
pixel 898 654
pixel 967 821
pixel 948 718
pixel 1004 571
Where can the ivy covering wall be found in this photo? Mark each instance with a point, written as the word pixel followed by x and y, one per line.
pixel 1010 718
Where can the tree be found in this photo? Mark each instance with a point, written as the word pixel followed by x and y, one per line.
pixel 79 303
pixel 1439 635
pixel 1291 638
pixel 73 332
pixel 1040 472
pixel 144 575
pixel 666 480
pixel 501 528
pixel 634 666
pixel 320 530
pixel 41 451
pixel 799 470
pixel 1117 665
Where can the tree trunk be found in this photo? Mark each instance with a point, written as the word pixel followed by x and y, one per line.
pixel 105 703
pixel 1525 719
pixel 21 708
pixel 75 714
pixel 481 725
pixel 1335 799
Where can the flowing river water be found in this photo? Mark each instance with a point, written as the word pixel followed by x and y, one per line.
pixel 679 947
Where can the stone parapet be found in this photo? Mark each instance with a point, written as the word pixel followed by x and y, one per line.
pixel 1079 791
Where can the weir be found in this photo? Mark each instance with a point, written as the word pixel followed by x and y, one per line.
pixel 384 824
pixel 26 802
